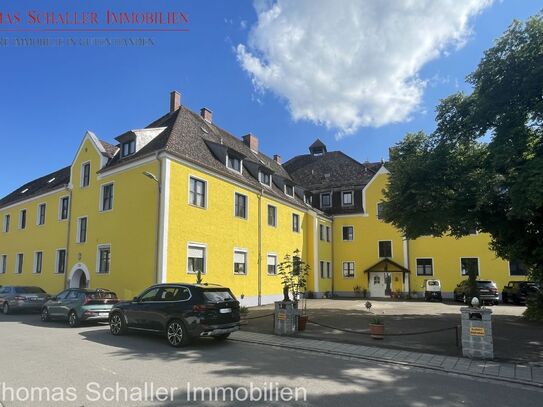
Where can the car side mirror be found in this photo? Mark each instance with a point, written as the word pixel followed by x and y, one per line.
pixel 135 299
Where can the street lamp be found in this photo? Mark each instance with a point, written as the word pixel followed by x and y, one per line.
pixel 153 177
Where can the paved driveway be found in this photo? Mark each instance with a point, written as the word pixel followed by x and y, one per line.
pixel 515 339
pixel 33 354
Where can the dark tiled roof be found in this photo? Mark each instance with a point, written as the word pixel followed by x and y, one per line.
pixel 330 170
pixel 317 144
pixel 39 186
pixel 110 149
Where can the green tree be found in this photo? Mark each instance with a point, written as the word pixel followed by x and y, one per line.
pixel 293 272
pixel 483 165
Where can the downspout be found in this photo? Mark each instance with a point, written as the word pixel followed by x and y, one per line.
pixel 332 254
pixel 69 188
pixel 260 247
pixel 406 265
pixel 158 271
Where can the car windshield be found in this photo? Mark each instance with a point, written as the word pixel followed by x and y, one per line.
pixel 218 296
pixel 433 282
pixel 486 284
pixel 102 295
pixel 29 290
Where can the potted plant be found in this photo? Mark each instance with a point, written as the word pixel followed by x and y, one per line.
pixel 377 327
pixel 294 273
pixel 357 291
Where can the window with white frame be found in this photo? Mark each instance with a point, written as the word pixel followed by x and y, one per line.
pixel 328 269
pixel 272 264
pixel 61 261
pixel 264 178
pixel 272 215
pixel 295 222
pixel 19 260
pixel 41 213
pixel 322 232
pixel 380 207
pixel 328 234
pixel 326 200
pixel 85 175
pixel 234 163
pixel 128 148
pixel 7 220
pixel 3 263
pixel 385 248
pixel 197 192
pixel 107 197
pixel 348 233
pixel 22 219
pixel 425 267
pixel 348 269
pixel 325 269
pixel 469 264
pixel 38 262
pixel 289 190
pixel 347 198
pixel 240 261
pixel 82 230
pixel 196 259
pixel 240 205
pixel 64 209
pixel 104 259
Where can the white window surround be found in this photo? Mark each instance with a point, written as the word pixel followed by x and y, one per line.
pixel 424 275
pixel 478 265
pixel 261 174
pixel 241 254
pixel 343 237
pixel 271 260
pixel 38 214
pixel 60 199
pixel 330 199
pixel 6 223
pixel 285 190
pixel 206 191
pixel 3 263
pixel 343 269
pixel 35 264
pixel 82 174
pixel 20 223
pixel 276 221
pixel 246 206
pixel 101 201
pixel 98 248
pixel 200 248
pixel 233 169
pixel 391 249
pixel 57 260
pixel 351 192
pixel 78 231
pixel 377 210
pixel 18 258
pixel 298 226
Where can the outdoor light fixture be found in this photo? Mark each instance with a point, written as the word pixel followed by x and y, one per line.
pixel 150 175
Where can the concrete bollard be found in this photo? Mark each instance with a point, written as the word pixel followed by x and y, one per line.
pixel 477 333
pixel 285 318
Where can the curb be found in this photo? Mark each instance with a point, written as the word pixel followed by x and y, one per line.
pixel 394 362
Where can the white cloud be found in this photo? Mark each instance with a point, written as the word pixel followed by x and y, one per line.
pixel 352 63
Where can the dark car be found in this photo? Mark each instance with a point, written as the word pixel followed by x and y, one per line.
pixel 519 291
pixel 22 298
pixel 180 312
pixel 76 305
pixel 487 292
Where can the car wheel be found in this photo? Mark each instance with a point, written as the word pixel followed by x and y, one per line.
pixel 45 315
pixel 117 326
pixel 176 333
pixel 73 320
pixel 222 337
pixel 5 308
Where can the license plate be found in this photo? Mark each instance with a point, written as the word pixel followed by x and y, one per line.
pixel 34 298
pixel 225 310
pixel 103 314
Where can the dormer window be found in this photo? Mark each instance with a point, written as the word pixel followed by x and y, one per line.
pixel 326 200
pixel 234 163
pixel 289 190
pixel 264 178
pixel 128 148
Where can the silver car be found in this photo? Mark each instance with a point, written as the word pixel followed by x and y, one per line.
pixel 22 298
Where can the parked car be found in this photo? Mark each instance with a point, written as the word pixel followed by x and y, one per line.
pixel 180 312
pixel 76 305
pixel 487 292
pixel 432 290
pixel 22 298
pixel 519 291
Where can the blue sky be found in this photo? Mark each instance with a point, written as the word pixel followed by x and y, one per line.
pixel 49 96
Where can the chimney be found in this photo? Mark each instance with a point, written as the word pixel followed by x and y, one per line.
pixel 175 101
pixel 277 158
pixel 251 141
pixel 206 114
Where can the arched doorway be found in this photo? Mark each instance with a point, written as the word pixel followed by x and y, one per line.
pixel 79 277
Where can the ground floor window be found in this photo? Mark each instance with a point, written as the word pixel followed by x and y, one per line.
pixel 19 263
pixel 61 261
pixel 425 267
pixel 348 269
pixel 38 261
pixel 517 268
pixel 104 259
pixel 196 259
pixel 3 263
pixel 240 262
pixel 272 264
pixel 468 264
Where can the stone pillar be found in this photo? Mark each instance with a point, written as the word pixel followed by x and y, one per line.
pixel 285 318
pixel 477 333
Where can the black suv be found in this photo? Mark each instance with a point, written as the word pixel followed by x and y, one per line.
pixel 179 311
pixel 519 291
pixel 487 291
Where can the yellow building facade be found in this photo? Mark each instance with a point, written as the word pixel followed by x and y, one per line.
pixel 183 196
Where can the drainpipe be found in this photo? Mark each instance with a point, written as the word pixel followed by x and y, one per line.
pixel 69 188
pixel 158 272
pixel 332 254
pixel 260 247
pixel 406 264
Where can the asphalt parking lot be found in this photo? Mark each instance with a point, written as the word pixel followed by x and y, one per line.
pixel 515 339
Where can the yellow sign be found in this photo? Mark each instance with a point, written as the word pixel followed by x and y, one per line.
pixel 282 316
pixel 474 331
